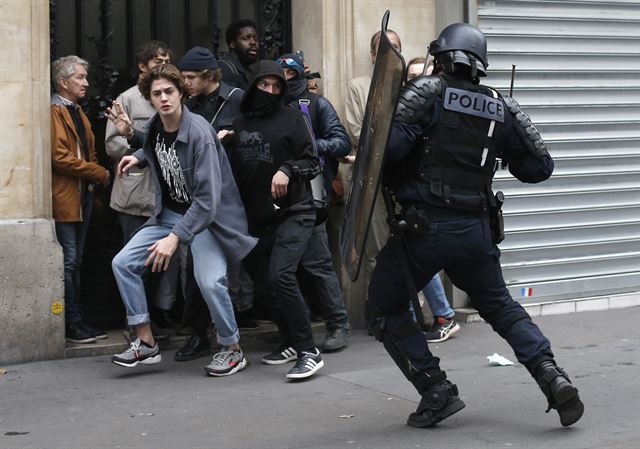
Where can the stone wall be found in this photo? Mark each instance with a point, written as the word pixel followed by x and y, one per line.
pixel 31 279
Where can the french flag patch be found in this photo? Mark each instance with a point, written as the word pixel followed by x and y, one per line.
pixel 526 291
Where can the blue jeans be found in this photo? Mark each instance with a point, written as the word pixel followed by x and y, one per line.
pixel 434 293
pixel 210 266
pixel 72 237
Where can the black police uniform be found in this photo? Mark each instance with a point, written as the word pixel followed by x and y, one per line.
pixel 441 154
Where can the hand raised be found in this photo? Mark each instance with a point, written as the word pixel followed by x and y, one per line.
pixel 120 119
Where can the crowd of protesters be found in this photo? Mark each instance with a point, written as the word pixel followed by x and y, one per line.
pixel 223 174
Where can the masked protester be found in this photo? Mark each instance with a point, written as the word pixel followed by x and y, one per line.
pixel 274 163
pixel 332 142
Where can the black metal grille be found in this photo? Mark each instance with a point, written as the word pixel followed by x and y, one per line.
pixel 107 33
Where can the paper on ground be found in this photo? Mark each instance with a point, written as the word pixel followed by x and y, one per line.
pixel 497 360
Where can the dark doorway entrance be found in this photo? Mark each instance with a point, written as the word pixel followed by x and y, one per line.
pixel 107 33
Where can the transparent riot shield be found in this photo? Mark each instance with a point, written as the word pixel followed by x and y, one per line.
pixel 386 82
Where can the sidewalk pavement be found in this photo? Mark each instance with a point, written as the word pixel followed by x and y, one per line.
pixel 359 400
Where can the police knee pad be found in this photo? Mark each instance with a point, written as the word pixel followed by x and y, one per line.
pixel 556 386
pixel 439 401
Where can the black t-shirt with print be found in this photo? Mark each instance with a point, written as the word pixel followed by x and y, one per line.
pixel 174 192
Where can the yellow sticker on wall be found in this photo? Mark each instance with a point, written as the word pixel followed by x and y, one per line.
pixel 57 307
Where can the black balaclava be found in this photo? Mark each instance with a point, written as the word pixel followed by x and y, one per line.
pixel 257 102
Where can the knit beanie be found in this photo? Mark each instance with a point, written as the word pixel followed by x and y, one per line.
pixel 198 58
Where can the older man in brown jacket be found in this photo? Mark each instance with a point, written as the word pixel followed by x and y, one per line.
pixel 75 170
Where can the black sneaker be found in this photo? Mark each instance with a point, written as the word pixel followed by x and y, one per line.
pixel 442 329
pixel 76 333
pixel 307 365
pixel 335 340
pixel 95 332
pixel 195 346
pixel 281 356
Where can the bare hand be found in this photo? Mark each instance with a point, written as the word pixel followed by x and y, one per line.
pixel 120 119
pixel 348 160
pixel 127 163
pixel 161 253
pixel 279 184
pixel 225 134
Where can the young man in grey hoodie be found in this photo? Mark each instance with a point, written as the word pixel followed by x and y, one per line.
pixel 197 203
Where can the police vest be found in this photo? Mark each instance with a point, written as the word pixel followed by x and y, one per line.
pixel 454 160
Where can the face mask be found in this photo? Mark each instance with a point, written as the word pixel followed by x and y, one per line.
pixel 262 102
pixel 296 86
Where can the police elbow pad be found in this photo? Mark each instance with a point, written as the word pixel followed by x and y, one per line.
pixel 417 98
pixel 529 135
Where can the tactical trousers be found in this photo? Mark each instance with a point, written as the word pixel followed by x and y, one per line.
pixel 464 249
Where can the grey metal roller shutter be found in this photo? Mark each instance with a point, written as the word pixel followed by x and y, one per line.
pixel 578 76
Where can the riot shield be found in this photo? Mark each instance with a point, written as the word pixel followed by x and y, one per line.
pixel 387 79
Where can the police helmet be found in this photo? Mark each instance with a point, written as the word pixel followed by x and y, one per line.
pixel 461 44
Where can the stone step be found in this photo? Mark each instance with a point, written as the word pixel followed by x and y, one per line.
pixel 115 341
pixel 469 315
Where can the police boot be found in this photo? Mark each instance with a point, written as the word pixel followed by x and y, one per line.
pixel 559 391
pixel 439 401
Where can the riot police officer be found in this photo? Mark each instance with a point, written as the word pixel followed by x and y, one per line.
pixel 447 134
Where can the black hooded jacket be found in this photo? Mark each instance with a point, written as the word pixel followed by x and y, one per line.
pixel 268 139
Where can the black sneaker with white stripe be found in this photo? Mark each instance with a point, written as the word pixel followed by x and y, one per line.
pixel 307 365
pixel 281 356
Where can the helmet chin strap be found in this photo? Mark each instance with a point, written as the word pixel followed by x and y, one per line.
pixel 474 67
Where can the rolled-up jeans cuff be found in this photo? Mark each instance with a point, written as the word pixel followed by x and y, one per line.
pixel 135 320
pixel 226 341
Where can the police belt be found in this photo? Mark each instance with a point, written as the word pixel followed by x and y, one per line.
pixel 465 179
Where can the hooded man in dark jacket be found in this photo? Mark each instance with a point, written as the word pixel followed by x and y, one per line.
pixel 317 270
pixel 274 161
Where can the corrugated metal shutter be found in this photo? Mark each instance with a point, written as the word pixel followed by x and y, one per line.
pixel 578 76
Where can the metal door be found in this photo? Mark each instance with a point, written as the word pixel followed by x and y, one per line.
pixel 578 76
pixel 106 33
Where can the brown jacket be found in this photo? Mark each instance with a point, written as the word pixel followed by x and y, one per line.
pixel 70 171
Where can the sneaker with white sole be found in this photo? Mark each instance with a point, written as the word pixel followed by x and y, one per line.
pixel 281 356
pixel 442 329
pixel 226 363
pixel 138 353
pixel 307 365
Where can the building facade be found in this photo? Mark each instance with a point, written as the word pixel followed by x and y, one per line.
pixel 577 73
